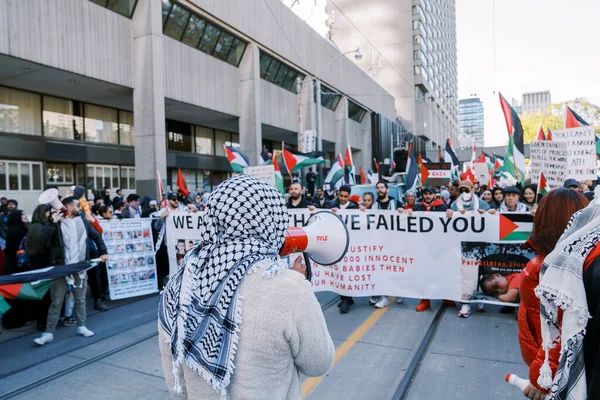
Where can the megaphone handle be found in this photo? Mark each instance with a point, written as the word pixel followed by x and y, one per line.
pixel 308 267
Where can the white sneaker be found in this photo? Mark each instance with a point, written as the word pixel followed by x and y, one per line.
pixel 465 311
pixel 374 299
pixel 383 302
pixel 399 300
pixel 85 332
pixel 45 338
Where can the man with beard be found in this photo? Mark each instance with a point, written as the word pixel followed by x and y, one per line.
pixel 385 202
pixel 297 200
pixel 453 189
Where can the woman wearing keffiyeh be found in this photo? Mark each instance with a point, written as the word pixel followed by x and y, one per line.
pixel 235 274
pixel 570 308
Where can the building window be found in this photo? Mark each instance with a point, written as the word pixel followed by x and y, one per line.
pixel 329 98
pixel 126 128
pixel 61 174
pixel 356 112
pixel 282 75
pixel 204 141
pixel 20 175
pixel 123 7
pixel 62 119
pixel 183 25
pixel 20 112
pixel 225 139
pixel 127 178
pixel 101 124
pixel 179 135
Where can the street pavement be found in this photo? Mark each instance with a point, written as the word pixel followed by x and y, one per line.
pixel 465 358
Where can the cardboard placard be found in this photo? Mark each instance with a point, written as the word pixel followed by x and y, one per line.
pixel 549 158
pixel 581 151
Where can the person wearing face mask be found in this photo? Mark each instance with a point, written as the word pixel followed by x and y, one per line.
pixel 511 201
pixel 467 200
pixel 133 209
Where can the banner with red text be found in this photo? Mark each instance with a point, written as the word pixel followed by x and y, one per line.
pixel 426 255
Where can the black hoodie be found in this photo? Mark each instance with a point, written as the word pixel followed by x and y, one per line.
pixel 39 238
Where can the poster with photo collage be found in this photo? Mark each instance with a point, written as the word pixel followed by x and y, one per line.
pixel 131 266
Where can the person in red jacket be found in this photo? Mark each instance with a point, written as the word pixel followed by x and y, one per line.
pixel 551 218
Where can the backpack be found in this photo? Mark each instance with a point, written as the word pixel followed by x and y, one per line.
pixel 22 257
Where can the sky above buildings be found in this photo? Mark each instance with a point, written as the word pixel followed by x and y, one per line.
pixel 540 45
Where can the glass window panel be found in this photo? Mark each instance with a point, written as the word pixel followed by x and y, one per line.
pixel 101 2
pixel 13 176
pixel 272 71
pixel 281 75
pixel 209 38
pixel 20 112
pixel 290 80
pixel 101 124
pixel 124 178
pixel 176 22
pixel 36 176
pixel 131 178
pixel 223 46
pixel 166 8
pixel 298 75
pixel 235 140
pixel 193 31
pixel 179 136
pixel 106 174
pixel 220 139
pixel 62 118
pixel 335 103
pixel 265 61
pixel 236 53
pixel 115 177
pixel 204 141
pixel 2 175
pixel 126 128
pixel 355 112
pixel 123 7
pixel 25 176
pixel 90 178
pixel 98 176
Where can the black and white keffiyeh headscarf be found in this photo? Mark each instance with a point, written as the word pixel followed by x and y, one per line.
pixel 200 310
pixel 561 286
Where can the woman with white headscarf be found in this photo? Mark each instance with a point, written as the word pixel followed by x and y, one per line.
pixel 235 274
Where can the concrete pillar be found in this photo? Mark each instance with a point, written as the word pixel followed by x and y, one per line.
pixel 149 97
pixel 250 117
pixel 341 126
pixel 366 151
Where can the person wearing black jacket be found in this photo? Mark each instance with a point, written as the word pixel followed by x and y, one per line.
pixel 69 246
pixel 343 203
pixel 17 229
pixel 297 200
pixel 320 200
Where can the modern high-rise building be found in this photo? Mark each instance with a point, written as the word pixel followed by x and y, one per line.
pixel 409 48
pixel 470 116
pixel 535 102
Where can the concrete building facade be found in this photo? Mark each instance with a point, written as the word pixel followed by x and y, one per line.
pixel 470 118
pixel 535 102
pixel 105 94
pixel 410 49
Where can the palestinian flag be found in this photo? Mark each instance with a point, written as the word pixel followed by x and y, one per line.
pixel 349 167
pixel 237 159
pixel 540 135
pixel 266 158
pixel 363 176
pixel 514 161
pixel 376 165
pixel 336 173
pixel 440 156
pixel 549 136
pixel 543 187
pixel 412 173
pixel 33 285
pixel 515 227
pixel 278 177
pixel 294 160
pixel 573 120
pixel 450 156
pixel 373 178
pixel 161 191
pixel 424 174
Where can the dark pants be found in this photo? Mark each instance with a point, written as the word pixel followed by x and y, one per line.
pixel 98 280
pixel 346 298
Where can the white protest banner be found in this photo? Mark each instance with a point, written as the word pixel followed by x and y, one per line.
pixel 131 266
pixel 390 253
pixel 549 157
pixel 265 173
pixel 581 155
pixel 482 172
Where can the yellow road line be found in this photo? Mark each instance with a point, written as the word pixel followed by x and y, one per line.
pixel 311 383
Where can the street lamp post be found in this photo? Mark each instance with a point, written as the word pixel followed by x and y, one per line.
pixel 319 121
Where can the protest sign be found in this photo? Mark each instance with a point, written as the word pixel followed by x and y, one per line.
pixel 550 158
pixel 581 151
pixel 436 174
pixel 131 266
pixel 482 172
pixel 390 253
pixel 264 173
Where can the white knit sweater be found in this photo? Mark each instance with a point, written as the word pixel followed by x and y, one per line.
pixel 283 333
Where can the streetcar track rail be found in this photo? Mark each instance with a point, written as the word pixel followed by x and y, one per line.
pixel 47 379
